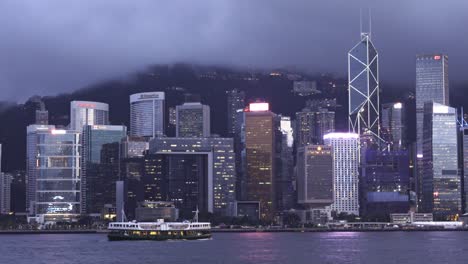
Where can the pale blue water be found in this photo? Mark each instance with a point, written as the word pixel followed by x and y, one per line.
pixel 254 248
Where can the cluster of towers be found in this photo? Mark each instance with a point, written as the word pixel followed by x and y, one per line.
pixel 268 165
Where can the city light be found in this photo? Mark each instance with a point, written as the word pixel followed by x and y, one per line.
pixel 340 135
pixel 58 132
pixel 398 106
pixel 258 107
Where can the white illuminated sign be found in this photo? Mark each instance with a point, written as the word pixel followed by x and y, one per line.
pixel 58 132
pixel 340 135
pixel 254 107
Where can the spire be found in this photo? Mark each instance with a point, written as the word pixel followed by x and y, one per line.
pixel 368 31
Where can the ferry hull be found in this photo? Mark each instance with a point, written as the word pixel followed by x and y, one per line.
pixel 159 236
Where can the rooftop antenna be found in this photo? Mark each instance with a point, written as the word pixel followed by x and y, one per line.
pixel 360 21
pixel 370 22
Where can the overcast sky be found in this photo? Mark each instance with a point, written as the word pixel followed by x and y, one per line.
pixel 47 47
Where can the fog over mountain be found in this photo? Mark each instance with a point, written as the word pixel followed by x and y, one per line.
pixel 54 46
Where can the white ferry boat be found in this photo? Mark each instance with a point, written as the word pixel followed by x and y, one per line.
pixel 159 230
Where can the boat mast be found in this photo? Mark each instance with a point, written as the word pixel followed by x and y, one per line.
pixel 196 215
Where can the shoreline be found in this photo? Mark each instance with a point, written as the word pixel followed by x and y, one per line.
pixel 245 230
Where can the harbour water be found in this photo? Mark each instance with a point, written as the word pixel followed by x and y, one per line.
pixel 248 248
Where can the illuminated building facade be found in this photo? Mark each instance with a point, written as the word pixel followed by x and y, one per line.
pixel 147 114
pixel 259 151
pixel 346 173
pixel 53 173
pixel 5 192
pixel 441 186
pixel 84 113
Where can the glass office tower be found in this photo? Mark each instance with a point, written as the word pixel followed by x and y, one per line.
pixel 93 167
pixel 432 85
pixel 441 187
pixel 363 83
pixel 53 166
pixel 393 128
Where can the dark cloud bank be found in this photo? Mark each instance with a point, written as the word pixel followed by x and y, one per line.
pixel 48 47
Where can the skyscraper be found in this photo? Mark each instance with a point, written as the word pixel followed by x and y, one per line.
pixel 193 120
pixel 363 82
pixel 5 192
pixel 432 85
pixel 312 123
pixel 147 114
pixel 198 171
pixel 384 183
pixel 235 101
pixel 346 174
pixel 88 113
pixel 441 186
pixel 285 163
pixel 464 164
pixel 393 128
pixel 94 138
pixel 259 143
pixel 53 167
pixel 315 176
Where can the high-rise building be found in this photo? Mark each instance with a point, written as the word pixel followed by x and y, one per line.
pixel 441 186
pixel 312 124
pixel 84 113
pixel 346 174
pixel 147 114
pixel 259 143
pixel 100 181
pixel 384 184
pixel 464 164
pixel 235 101
pixel 94 175
pixel 432 85
pixel 363 82
pixel 5 192
pixel 18 191
pixel 53 172
pixel 197 172
pixel 284 164
pixel 315 176
pixel 193 120
pixel 393 127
